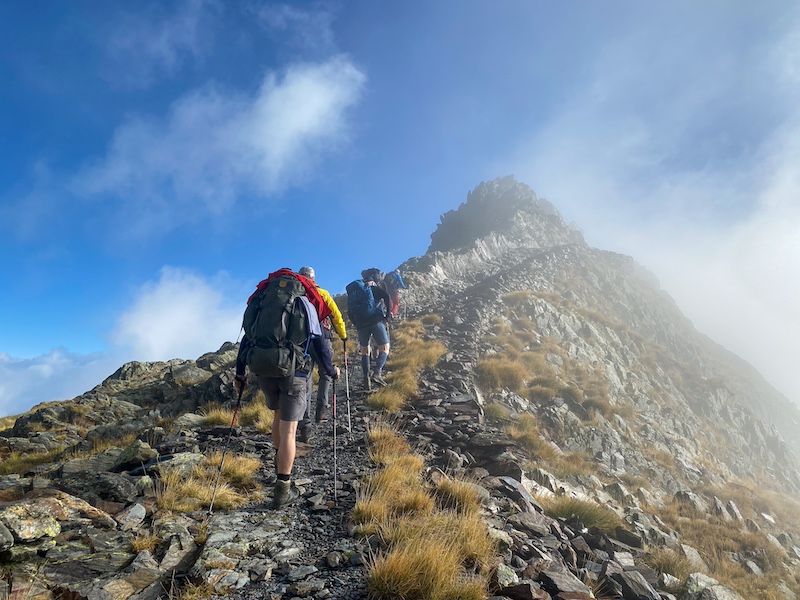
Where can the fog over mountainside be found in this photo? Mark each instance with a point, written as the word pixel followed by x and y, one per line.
pixel 606 311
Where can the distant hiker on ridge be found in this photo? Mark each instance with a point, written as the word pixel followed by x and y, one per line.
pixel 281 323
pixel 367 307
pixel 333 322
pixel 392 283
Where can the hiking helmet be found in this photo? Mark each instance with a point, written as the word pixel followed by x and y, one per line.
pixel 306 272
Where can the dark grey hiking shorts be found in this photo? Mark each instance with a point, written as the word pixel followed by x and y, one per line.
pixel 377 331
pixel 291 402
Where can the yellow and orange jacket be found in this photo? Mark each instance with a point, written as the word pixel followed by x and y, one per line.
pixel 336 314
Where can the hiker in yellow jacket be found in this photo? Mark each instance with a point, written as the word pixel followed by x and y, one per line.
pixel 332 323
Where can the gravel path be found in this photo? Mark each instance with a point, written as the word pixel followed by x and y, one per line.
pixel 326 562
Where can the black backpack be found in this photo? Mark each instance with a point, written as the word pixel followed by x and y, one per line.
pixel 361 306
pixel 276 325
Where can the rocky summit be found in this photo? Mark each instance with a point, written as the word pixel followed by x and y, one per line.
pixel 568 376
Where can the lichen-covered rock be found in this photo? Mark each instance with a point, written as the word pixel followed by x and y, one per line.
pixel 28 522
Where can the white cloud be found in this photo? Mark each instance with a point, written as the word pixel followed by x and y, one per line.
pixel 182 315
pixel 215 146
pixel 144 47
pixel 26 382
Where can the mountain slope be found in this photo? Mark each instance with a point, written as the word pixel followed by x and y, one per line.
pixel 605 312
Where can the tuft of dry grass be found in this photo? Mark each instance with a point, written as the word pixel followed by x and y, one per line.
pixel 572 463
pixel 429 552
pixel 20 463
pixel 526 432
pixel 496 412
pixel 540 392
pixel 100 444
pixel 405 382
pixel 238 471
pixel 200 532
pixel 147 542
pixel 414 354
pixel 497 372
pixel 387 399
pixel 216 415
pixel 187 494
pixel 395 490
pixel 196 591
pixel 431 319
pixel 590 514
pixel 384 444
pixel 256 414
pixel 665 560
pixel 7 422
pixel 253 413
pixel 422 569
pixel 716 540
pixel 517 298
pixel 457 495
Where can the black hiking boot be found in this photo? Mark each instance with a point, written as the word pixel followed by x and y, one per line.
pixel 321 414
pixel 284 494
pixel 305 435
pixel 367 384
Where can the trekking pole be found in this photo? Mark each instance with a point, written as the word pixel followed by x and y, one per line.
pixel 347 388
pixel 225 450
pixel 335 466
pixel 346 372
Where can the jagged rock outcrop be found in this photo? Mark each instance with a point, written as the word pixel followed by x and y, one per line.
pixel 499 215
pixel 659 413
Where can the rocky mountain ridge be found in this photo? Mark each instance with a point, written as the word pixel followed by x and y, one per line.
pixel 660 413
pixel 600 289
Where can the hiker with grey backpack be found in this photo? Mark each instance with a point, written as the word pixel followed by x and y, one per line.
pixel 281 326
pixel 368 307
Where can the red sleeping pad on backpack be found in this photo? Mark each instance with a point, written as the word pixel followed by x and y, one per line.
pixel 311 291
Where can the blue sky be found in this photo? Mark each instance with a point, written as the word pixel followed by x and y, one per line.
pixel 157 159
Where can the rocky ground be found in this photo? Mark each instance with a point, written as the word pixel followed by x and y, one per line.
pixel 68 523
pixel 312 553
pixel 66 528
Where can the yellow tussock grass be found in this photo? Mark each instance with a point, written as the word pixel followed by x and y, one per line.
pixel 526 432
pixel 387 399
pixel 423 569
pixel 497 372
pixel 216 415
pixel 187 494
pixel 457 495
pixel 145 542
pixel 256 414
pixel 384 443
pixel 590 514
